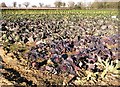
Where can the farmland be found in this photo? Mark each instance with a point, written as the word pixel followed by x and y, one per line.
pixel 59 47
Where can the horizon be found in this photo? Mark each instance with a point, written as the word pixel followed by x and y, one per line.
pixel 9 3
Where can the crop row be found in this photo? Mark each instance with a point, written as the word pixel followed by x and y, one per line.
pixel 27 11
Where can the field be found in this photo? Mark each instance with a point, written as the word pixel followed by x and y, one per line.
pixel 59 47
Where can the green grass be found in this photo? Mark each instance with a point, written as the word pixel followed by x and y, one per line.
pixel 59 12
pixel 56 14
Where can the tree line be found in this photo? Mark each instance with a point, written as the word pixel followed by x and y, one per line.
pixel 71 4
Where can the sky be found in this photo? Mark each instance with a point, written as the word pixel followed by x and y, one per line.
pixel 46 2
pixel 36 2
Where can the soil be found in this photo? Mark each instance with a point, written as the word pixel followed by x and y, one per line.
pixel 15 72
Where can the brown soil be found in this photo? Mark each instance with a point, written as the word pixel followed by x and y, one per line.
pixel 15 72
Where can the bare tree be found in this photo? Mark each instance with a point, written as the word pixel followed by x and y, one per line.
pixel 41 4
pixel 58 4
pixel 26 4
pixel 14 4
pixel 97 5
pixel 63 4
pixel 47 6
pixel 78 5
pixel 34 6
pixel 71 4
pixel 3 4
pixel 19 5
pixel 104 4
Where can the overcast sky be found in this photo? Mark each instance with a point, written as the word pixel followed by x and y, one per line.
pixel 46 2
pixel 36 2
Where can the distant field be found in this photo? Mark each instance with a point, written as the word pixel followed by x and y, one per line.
pixel 66 11
pixel 58 13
